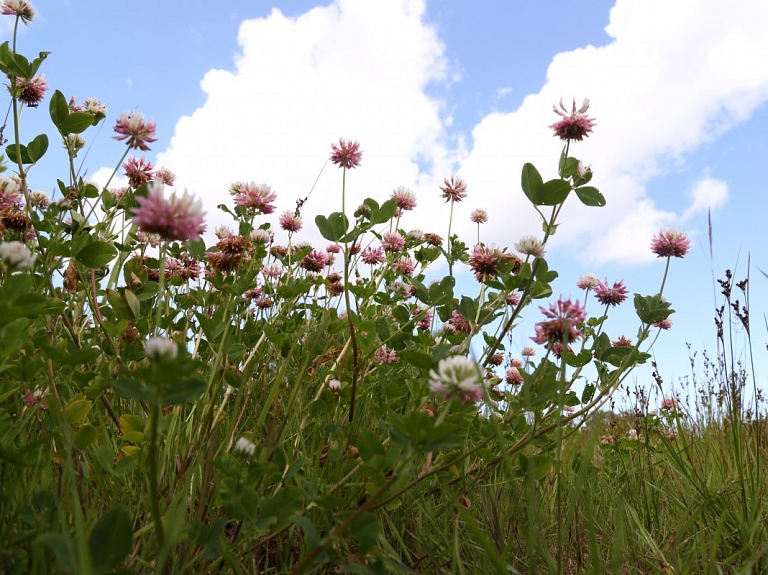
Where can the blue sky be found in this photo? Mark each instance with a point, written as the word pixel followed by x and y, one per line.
pixel 259 90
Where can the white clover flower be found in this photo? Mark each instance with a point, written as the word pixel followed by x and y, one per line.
pixel 260 237
pixel 530 246
pixel 334 384
pixel 583 170
pixel 245 446
pixel 160 349
pixel 457 376
pixel 587 281
pixel 16 255
pixel 73 143
pixel 632 435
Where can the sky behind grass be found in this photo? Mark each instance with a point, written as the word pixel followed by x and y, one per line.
pixel 258 91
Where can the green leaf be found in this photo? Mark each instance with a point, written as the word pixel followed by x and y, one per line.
pixel 35 65
pixel 63 549
pixel 652 309
pixel 532 183
pixel 96 254
pixel 120 305
pixel 133 302
pixel 111 540
pixel 86 435
pixel 417 430
pixel 334 227
pixel 58 109
pixel 76 123
pixel 368 444
pixel 10 151
pixel 131 389
pixel 417 359
pixel 77 409
pixel 385 213
pixel 365 530
pixel 590 196
pixel 553 192
pixel 182 391
pixel 37 147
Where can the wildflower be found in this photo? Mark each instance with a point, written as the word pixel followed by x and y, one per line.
pixel 290 222
pixel 314 261
pixel 454 189
pixel 36 396
pixel 176 218
pixel 333 249
pixel 513 298
pixel 516 363
pixel 272 271
pixel 425 322
pixel 665 324
pixel 131 126
pixel 622 342
pixel 528 351
pixel 334 385
pixel 10 193
pixel 153 240
pixel 73 143
pixel 632 435
pixel 347 154
pixel 159 349
pixel 405 266
pixel 138 171
pixel 479 216
pixel 405 198
pixel 671 434
pixel 372 256
pixel 574 126
pixel 20 8
pixel 530 246
pixel 587 281
pixel 231 244
pixel 459 322
pixel 16 255
pixel 611 296
pixel 244 446
pixel 392 242
pixel 165 175
pixel 39 200
pixel 457 376
pixel 484 261
pixel 513 376
pixel 94 106
pixel 264 302
pixel 382 356
pixel 496 359
pixel 253 293
pixel 670 243
pixel 260 237
pixel 563 316
pixel 433 240
pixel 416 235
pixel 607 439
pixel 256 197
pixel 669 404
pixel 31 92
pixel 583 171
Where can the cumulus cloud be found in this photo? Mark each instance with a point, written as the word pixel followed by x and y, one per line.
pixel 707 194
pixel 673 77
pixel 353 69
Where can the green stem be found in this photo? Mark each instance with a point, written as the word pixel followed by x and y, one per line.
pixel 154 493
pixel 450 255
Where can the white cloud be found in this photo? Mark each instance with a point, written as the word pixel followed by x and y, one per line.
pixel 353 69
pixel 674 76
pixel 707 194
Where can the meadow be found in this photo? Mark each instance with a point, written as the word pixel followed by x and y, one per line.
pixel 169 405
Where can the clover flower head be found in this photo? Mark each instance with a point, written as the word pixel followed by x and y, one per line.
pixel 665 324
pixel 20 8
pixel 457 376
pixel 31 92
pixel 562 318
pixel 454 189
pixel 575 125
pixel 611 296
pixel 392 242
pixel 290 222
pixel 372 256
pixel 159 349
pixel 260 237
pixel 479 216
pixel 382 356
pixel 256 197
pixel 587 281
pixel 138 171
pixel 16 255
pixel 314 261
pixel 405 198
pixel 245 446
pixel 530 246
pixel 670 243
pixel 131 126
pixel 179 217
pixel 347 154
